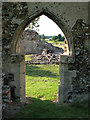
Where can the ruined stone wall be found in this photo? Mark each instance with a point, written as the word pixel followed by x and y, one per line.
pixel 79 67
pixel 30 43
pixel 72 18
pixel 15 13
pixel 81 34
pixel 12 11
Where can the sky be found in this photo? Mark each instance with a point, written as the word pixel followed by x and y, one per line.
pixel 48 27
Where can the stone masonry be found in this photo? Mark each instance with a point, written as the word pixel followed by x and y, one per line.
pixel 47 57
pixel 72 18
pixel 31 43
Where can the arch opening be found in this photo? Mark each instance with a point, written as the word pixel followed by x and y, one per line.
pixel 15 48
pixel 46 61
pixel 28 20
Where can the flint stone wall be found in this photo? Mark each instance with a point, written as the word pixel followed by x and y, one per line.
pixel 72 18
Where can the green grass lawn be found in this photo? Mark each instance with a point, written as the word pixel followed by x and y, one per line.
pixel 42 82
pixel 59 44
pixel 28 57
pixel 46 109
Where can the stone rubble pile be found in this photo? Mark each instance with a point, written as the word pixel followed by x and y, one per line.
pixel 31 43
pixel 47 57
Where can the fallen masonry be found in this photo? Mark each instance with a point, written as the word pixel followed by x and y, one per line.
pixel 47 57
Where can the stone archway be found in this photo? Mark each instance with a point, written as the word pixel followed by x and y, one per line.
pixel 15 50
pixel 73 19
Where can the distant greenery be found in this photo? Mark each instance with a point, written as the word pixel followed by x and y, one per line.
pixel 55 39
pixel 45 37
pixel 58 38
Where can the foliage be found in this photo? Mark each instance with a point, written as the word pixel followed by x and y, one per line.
pixel 55 39
pixel 58 38
pixel 34 24
pixel 45 37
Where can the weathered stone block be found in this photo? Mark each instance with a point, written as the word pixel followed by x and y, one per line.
pixel 63 59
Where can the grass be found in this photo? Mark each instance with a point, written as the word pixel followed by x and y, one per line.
pixel 42 81
pixel 59 44
pixel 28 57
pixel 46 109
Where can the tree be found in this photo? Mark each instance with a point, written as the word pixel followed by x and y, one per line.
pixel 58 38
pixel 63 38
pixel 54 37
pixel 34 24
pixel 42 36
